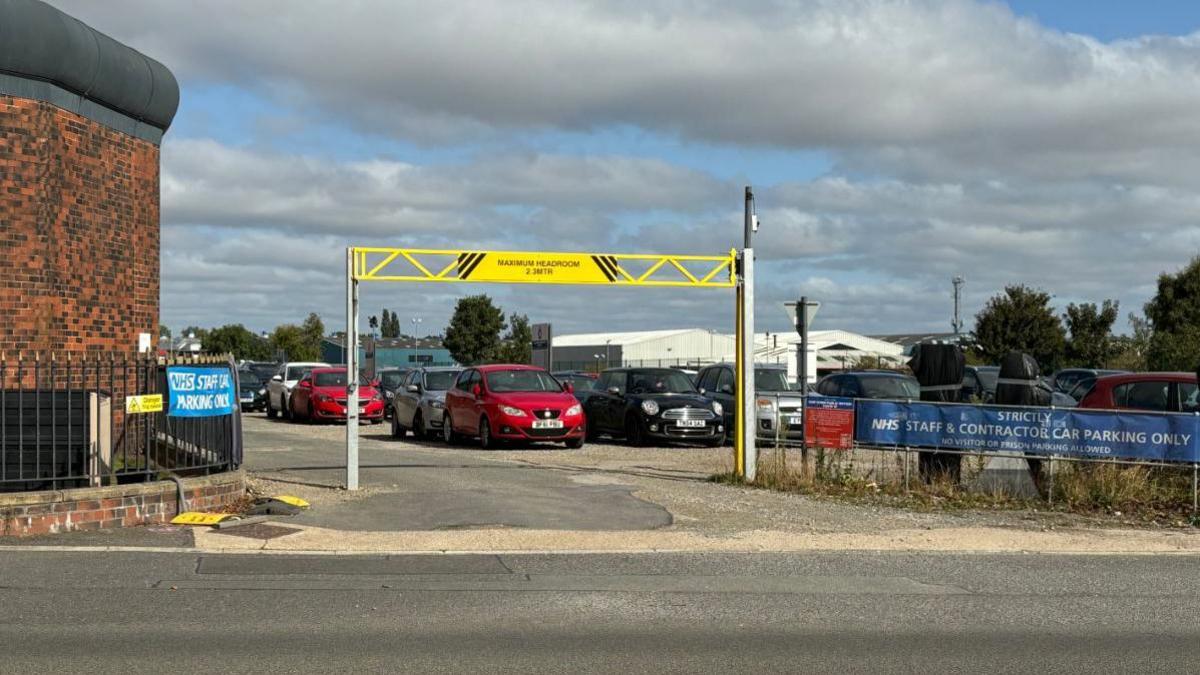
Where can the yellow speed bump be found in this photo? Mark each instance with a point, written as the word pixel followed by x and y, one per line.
pixel 197 518
pixel 294 501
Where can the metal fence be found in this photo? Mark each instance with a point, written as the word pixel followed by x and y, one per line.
pixel 63 423
pixel 597 365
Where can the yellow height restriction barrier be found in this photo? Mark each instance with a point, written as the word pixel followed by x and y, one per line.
pixel 539 267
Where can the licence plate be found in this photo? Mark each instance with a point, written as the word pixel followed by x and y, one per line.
pixel 796 420
pixel 547 424
pixel 692 424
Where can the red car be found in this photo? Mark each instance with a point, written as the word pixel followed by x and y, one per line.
pixel 321 395
pixel 1163 392
pixel 512 403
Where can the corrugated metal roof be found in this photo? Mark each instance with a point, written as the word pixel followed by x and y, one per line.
pixel 629 338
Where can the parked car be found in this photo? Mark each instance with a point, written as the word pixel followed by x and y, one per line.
pixel 420 401
pixel 252 391
pixel 979 383
pixel 283 382
pixel 391 380
pixel 777 405
pixel 321 395
pixel 512 403
pixel 640 404
pixel 263 369
pixel 883 384
pixel 582 383
pixel 1065 380
pixel 1162 392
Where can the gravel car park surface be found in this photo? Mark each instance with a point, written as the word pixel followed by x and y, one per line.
pixel 430 496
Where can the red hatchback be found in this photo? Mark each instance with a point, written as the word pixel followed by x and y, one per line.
pixel 321 395
pixel 1162 392
pixel 512 403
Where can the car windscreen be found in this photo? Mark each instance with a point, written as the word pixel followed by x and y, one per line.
pixel 770 379
pixel 392 378
pixel 297 372
pixel 660 382
pixel 264 371
pixel 579 382
pixel 334 379
pixel 501 381
pixel 886 386
pixel 440 380
pixel 988 378
pixel 248 379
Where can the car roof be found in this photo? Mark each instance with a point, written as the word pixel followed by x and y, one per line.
pixel 330 369
pixel 314 364
pixel 1122 378
pixel 496 367
pixel 890 373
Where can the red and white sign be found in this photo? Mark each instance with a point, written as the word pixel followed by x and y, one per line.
pixel 829 423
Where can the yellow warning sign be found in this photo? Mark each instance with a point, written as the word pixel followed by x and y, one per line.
pixel 540 267
pixel 146 403
pixel 197 518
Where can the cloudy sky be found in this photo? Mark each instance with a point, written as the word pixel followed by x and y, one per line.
pixel 892 146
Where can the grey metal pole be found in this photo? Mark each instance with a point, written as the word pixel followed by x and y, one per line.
pixel 802 329
pixel 351 346
pixel 749 396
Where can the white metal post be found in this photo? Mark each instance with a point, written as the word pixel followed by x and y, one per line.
pixel 351 347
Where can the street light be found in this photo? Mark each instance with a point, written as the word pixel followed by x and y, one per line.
pixel 416 322
pixel 598 357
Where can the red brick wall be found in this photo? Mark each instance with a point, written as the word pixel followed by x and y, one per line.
pixel 79 232
pixel 54 511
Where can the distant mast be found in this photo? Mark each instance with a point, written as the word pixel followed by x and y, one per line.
pixel 956 323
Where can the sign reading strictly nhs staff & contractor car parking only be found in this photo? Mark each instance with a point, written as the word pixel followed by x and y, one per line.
pixel 200 392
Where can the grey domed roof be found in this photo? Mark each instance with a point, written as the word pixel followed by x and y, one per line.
pixel 39 42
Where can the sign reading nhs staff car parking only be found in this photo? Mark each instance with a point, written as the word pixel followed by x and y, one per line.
pixel 200 392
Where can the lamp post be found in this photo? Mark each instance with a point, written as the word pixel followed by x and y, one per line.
pixel 416 322
pixel 598 357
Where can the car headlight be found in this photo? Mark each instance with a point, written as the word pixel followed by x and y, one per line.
pixel 377 397
pixel 765 404
pixel 717 408
pixel 575 410
pixel 388 394
pixel 649 407
pixel 437 405
pixel 262 392
pixel 511 411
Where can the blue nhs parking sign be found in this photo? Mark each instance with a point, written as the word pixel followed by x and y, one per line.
pixel 196 391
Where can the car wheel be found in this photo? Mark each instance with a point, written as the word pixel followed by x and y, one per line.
pixel 397 430
pixel 448 434
pixel 633 432
pixel 418 426
pixel 574 443
pixel 590 432
pixel 287 407
pixel 485 434
pixel 271 414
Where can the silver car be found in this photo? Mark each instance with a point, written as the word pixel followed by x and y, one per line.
pixel 419 403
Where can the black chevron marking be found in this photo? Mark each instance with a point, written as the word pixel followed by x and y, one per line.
pixel 603 268
pixel 478 258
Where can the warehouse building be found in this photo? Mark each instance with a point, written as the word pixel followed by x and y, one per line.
pixel 829 351
pixel 680 347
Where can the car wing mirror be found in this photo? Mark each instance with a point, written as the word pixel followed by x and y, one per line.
pixel 304 384
pixel 477 390
pixel 277 378
pixel 414 389
pixel 570 388
pixel 726 389
pixel 615 391
pixel 702 391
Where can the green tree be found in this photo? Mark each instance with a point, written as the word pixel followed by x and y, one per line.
pixel 1130 351
pixel 395 325
pixel 1090 328
pixel 473 335
pixel 236 339
pixel 517 345
pixel 1174 317
pixel 164 331
pixel 385 324
pixel 1020 319
pixel 198 332
pixel 300 343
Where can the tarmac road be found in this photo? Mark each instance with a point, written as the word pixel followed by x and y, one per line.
pixel 73 612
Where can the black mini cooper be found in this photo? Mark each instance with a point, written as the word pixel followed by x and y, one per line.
pixel 640 404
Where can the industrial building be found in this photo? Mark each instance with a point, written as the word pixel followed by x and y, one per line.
pixel 681 347
pixel 829 350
